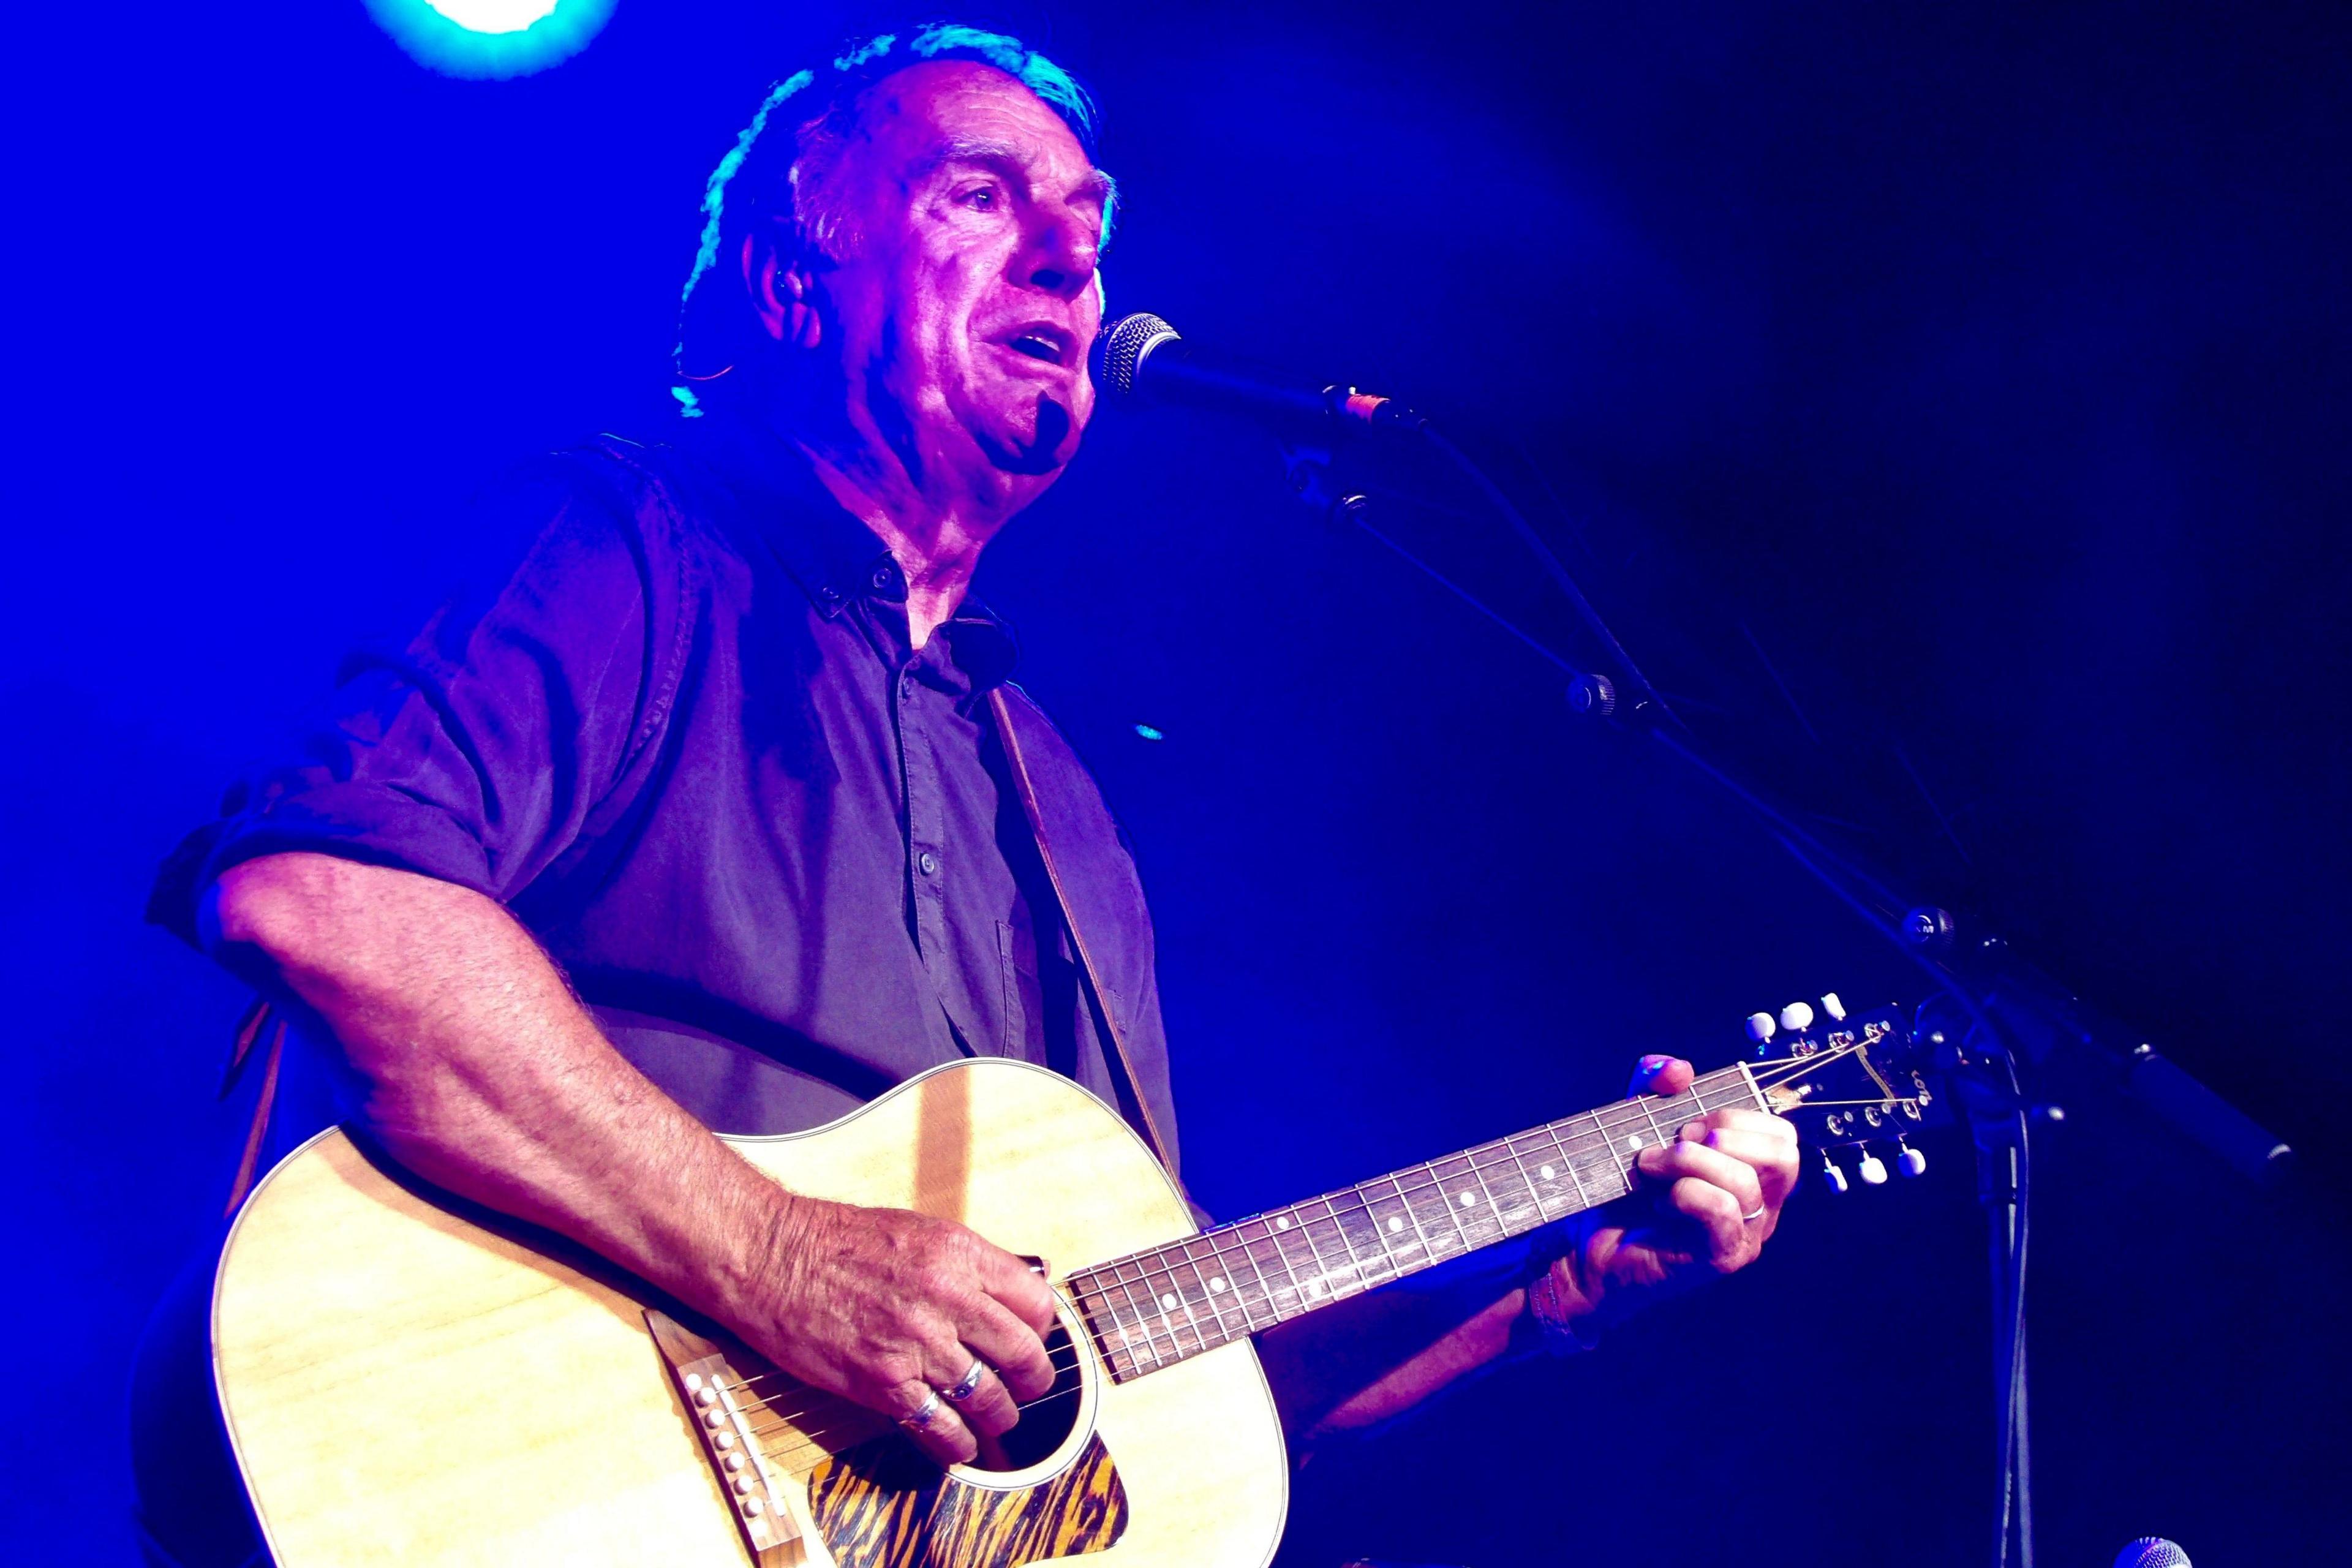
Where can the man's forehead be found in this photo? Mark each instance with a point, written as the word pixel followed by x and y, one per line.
pixel 944 109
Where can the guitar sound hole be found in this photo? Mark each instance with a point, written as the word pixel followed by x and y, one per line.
pixel 1045 1422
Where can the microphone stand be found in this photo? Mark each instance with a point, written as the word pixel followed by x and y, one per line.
pixel 1992 1011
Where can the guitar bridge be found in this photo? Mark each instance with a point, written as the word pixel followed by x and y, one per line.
pixel 706 1383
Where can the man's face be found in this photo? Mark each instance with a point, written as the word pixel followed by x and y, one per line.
pixel 964 297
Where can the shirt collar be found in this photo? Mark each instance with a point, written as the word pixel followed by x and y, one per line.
pixel 834 558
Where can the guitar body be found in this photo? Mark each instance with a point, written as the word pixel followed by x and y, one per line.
pixel 409 1381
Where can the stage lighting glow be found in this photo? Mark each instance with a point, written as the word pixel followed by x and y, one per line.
pixel 493 15
pixel 491 37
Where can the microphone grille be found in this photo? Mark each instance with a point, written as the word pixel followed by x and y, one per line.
pixel 1121 347
pixel 2151 1551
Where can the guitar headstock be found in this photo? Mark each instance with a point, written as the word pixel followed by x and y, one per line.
pixel 1852 1082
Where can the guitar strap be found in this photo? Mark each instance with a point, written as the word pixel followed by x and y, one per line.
pixel 999 708
pixel 249 1028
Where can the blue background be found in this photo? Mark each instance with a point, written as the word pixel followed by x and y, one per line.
pixel 1981 368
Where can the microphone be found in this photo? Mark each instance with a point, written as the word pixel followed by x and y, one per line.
pixel 2151 1551
pixel 1141 356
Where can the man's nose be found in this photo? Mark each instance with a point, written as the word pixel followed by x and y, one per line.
pixel 1062 254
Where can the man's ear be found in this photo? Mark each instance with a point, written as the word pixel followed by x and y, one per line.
pixel 782 298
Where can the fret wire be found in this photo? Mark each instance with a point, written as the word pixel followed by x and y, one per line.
pixel 1551 1130
pixel 1363 1265
pixel 1222 1330
pixel 1388 1227
pixel 1651 1117
pixel 1099 1283
pixel 1390 1235
pixel 1100 1280
pixel 1155 1279
pixel 1266 1291
pixel 1363 1202
pixel 1455 1209
pixel 1413 1215
pixel 1358 1276
pixel 1140 1320
pixel 1489 1206
pixel 1321 1283
pixel 1423 1178
pixel 1318 1289
pixel 1511 1147
pixel 1354 1268
pixel 1182 1301
pixel 1101 1315
pixel 1308 1287
pixel 1282 1256
pixel 1223 1284
pixel 1255 1250
pixel 1167 1314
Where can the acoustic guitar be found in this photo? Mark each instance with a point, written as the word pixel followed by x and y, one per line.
pixel 411 1379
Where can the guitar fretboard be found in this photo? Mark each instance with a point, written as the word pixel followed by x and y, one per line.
pixel 1153 1309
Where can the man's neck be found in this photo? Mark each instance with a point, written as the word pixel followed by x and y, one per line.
pixel 934 520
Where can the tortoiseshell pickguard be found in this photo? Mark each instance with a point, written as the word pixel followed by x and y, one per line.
pixel 883 1505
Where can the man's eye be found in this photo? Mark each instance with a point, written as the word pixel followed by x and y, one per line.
pixel 983 198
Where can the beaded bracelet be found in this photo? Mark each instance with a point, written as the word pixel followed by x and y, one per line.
pixel 1561 1336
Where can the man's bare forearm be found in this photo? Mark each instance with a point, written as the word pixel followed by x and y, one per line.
pixel 1362 1361
pixel 485 1074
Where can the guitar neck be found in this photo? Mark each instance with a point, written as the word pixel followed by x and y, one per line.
pixel 1153 1309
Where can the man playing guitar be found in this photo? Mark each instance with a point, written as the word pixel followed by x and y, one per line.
pixel 703 822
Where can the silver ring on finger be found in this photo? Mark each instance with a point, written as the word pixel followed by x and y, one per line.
pixel 968 1384
pixel 925 1413
pixel 1752 1218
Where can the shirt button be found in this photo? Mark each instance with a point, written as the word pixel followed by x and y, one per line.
pixel 928 861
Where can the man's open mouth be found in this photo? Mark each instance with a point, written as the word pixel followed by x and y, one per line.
pixel 1042 341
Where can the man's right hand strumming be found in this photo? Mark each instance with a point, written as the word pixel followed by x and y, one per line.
pixel 891 1308
pixel 485 1075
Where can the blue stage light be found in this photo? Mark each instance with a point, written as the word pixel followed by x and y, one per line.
pixel 491 37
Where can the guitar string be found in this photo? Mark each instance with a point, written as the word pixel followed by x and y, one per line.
pixel 1778 1072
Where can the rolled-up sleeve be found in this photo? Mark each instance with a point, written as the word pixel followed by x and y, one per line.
pixel 478 753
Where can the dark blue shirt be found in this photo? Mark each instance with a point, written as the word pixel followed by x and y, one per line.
pixel 689 746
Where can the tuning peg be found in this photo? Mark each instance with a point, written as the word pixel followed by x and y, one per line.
pixel 1911 1163
pixel 1871 1168
pixel 1831 1178
pixel 1797 1015
pixel 1761 1026
pixel 1832 1008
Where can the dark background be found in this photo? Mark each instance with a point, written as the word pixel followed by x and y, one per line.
pixel 1983 367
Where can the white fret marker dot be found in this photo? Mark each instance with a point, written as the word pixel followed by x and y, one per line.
pixel 1469 1200
pixel 1546 1171
pixel 1283 1224
pixel 1395 1224
pixel 1216 1285
pixel 1168 1303
pixel 1634 1141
